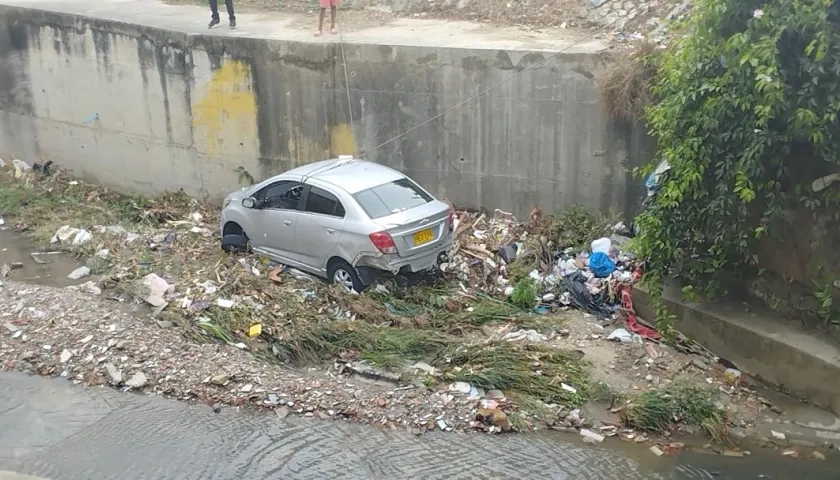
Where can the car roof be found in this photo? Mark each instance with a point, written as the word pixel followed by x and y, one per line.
pixel 351 175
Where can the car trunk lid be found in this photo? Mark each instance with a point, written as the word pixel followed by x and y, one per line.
pixel 419 229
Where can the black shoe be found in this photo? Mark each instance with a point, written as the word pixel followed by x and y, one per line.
pixel 213 23
pixel 232 23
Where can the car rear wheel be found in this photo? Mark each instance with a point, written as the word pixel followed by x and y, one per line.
pixel 344 275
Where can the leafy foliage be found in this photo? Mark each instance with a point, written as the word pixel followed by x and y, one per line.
pixel 525 293
pixel 746 113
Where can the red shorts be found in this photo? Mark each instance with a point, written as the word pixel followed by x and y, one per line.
pixel 329 3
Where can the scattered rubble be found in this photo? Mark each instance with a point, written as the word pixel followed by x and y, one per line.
pixel 138 380
pixel 79 273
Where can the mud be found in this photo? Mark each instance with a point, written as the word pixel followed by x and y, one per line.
pixel 51 269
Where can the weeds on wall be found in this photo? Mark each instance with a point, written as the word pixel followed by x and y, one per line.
pixel 745 111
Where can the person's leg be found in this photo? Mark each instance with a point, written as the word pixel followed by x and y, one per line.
pixel 320 29
pixel 333 9
pixel 214 13
pixel 231 16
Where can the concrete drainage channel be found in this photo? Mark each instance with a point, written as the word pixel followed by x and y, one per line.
pixel 765 347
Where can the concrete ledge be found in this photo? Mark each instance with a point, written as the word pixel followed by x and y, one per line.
pixel 760 344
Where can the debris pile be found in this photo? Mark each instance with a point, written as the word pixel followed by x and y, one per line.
pixel 486 344
pixel 527 265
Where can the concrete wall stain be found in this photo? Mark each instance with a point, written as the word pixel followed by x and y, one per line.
pixel 160 57
pixel 15 95
pixel 229 101
pixel 102 46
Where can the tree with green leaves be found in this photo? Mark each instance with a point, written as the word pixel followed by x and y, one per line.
pixel 746 113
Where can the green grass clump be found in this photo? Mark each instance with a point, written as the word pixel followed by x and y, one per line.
pixel 525 293
pixel 576 226
pixel 322 340
pixel 658 410
pixel 489 310
pixel 530 369
pixel 603 392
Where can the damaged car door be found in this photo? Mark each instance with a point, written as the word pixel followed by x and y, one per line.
pixel 274 220
pixel 319 227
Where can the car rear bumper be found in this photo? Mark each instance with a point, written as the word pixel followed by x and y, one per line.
pixel 396 264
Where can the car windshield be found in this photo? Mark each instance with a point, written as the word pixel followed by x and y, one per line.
pixel 391 198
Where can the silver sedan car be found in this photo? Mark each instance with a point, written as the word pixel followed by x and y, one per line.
pixel 345 220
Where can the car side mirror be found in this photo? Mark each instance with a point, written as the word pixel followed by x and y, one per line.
pixel 249 202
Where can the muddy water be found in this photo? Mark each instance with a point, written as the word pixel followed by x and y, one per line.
pixel 53 429
pixel 53 271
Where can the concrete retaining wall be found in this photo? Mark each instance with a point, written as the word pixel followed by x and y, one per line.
pixel 146 109
pixel 759 343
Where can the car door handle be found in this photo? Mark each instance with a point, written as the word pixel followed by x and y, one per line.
pixel 330 231
pixel 287 222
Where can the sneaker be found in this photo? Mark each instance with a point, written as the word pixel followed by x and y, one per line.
pixel 232 23
pixel 213 23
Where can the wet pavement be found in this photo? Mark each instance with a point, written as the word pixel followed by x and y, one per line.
pixel 52 429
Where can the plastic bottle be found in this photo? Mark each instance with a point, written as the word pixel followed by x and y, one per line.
pixel 602 245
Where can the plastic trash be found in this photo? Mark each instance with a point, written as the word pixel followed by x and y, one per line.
pixel 596 304
pixel 654 179
pixel 460 387
pixel 732 376
pixel 623 336
pixel 527 335
pixel 82 236
pixel 601 265
pixel 508 253
pixel 602 245
pixel 620 335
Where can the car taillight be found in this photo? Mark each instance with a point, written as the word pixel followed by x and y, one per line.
pixel 383 242
pixel 451 220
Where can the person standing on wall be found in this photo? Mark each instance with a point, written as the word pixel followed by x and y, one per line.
pixel 332 5
pixel 214 13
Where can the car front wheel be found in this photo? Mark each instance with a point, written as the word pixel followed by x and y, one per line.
pixel 343 274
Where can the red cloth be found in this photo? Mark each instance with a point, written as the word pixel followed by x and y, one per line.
pixel 632 324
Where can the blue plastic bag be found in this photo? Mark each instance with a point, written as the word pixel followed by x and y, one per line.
pixel 601 264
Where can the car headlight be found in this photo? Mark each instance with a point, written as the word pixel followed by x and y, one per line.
pixel 226 203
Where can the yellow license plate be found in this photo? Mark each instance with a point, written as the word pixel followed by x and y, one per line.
pixel 424 236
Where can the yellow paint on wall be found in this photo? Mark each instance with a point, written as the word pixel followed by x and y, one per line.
pixel 305 149
pixel 342 141
pixel 227 113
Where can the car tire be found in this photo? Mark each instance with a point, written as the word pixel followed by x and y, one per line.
pixel 342 273
pixel 236 243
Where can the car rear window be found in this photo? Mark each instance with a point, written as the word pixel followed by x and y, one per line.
pixel 390 198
